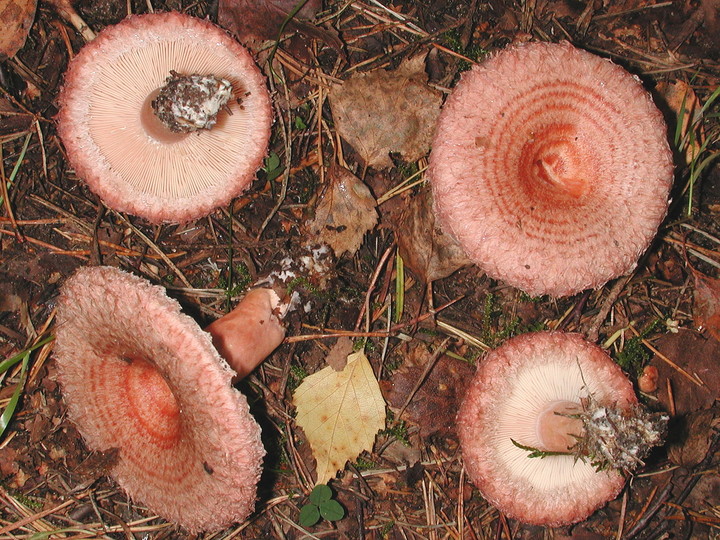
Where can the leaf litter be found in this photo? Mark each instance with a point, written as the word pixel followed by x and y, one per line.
pixel 384 112
pixel 16 17
pixel 344 213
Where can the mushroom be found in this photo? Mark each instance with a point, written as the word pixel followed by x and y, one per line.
pixel 550 425
pixel 131 155
pixel 550 166
pixel 142 379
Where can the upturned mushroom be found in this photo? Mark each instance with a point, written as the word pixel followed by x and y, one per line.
pixel 550 166
pixel 164 116
pixel 142 379
pixel 550 426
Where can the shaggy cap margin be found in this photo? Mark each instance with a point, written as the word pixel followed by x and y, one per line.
pixel 105 92
pixel 551 168
pixel 511 387
pixel 139 376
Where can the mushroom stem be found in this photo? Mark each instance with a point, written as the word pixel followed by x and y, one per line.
pixel 559 427
pixel 153 126
pixel 249 333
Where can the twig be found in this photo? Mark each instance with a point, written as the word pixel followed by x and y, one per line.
pixel 156 249
pixel 593 331
pixel 430 364
pixel 665 359
pixel 366 305
pixel 285 130
pixel 67 12
pixel 352 333
pixel 80 254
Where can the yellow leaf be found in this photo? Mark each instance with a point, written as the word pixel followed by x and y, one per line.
pixel 340 412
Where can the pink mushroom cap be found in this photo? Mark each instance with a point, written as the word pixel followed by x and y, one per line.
pixel 512 389
pixel 141 377
pixel 550 166
pixel 125 155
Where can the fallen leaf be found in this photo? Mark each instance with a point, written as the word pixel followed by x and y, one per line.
pixel 16 18
pixel 425 248
pixel 387 111
pixel 703 496
pixel 255 21
pixel 697 356
pixel 434 406
pixel 685 106
pixel 706 303
pixel 711 18
pixel 340 413
pixel 693 436
pixel 346 211
pixel 338 355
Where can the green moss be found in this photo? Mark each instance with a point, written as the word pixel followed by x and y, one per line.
pixel 235 279
pixel 387 529
pixel 398 430
pixel 498 327
pixel 296 376
pixel 474 52
pixel 363 464
pixel 634 355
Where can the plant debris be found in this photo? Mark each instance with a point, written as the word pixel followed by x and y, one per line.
pixel 345 212
pixel 340 413
pixel 356 87
pixel 384 112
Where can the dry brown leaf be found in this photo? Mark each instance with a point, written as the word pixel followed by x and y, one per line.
pixel 697 356
pixel 706 304
pixel 387 111
pixel 683 103
pixel 340 413
pixel 425 249
pixel 711 18
pixel 16 18
pixel 346 211
pixel 434 405
pixel 338 354
pixel 692 437
pixel 255 21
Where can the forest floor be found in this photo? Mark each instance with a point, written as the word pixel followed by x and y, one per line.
pixel 411 484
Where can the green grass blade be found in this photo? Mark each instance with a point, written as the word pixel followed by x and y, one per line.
pixel 10 362
pixel 16 168
pixel 24 357
pixel 12 404
pixel 399 287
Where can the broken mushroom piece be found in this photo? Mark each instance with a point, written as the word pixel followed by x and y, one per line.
pixel 549 427
pixel 550 166
pixel 141 378
pixel 164 116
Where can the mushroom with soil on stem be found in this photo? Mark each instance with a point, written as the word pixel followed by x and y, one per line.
pixel 164 116
pixel 142 379
pixel 551 168
pixel 550 426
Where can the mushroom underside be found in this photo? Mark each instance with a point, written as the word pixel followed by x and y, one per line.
pixel 128 157
pixel 509 393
